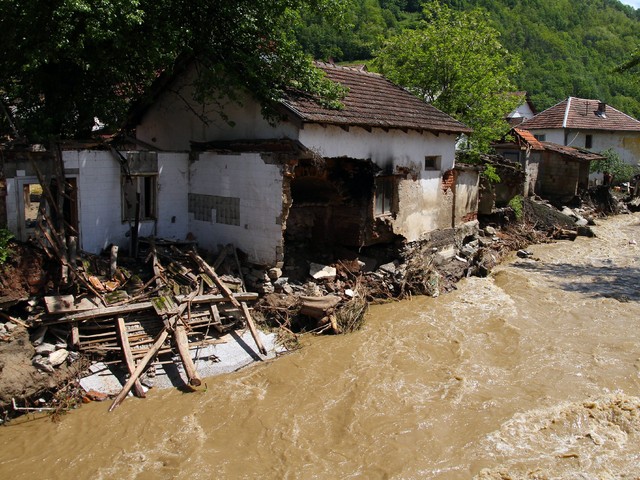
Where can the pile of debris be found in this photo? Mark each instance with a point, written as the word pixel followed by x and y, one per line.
pixel 121 320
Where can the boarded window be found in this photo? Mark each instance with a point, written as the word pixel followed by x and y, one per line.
pixel 432 162
pixel 588 141
pixel 384 195
pixel 214 208
pixel 139 190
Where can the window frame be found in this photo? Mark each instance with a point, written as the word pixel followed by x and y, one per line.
pixel 387 186
pixel 435 159
pixel 147 183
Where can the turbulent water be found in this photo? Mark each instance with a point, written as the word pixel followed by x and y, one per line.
pixel 531 373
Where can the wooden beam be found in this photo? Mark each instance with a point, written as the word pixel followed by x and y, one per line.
pixel 227 293
pixel 128 356
pixel 136 307
pixel 182 342
pixel 144 361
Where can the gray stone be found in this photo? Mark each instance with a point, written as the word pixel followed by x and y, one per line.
pixel 489 230
pixel 45 349
pixel 322 272
pixel 58 357
pixel 10 326
pixel 42 364
pixel 391 268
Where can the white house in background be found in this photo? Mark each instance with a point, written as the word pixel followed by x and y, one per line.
pixel 589 124
pixel 379 170
pixel 524 111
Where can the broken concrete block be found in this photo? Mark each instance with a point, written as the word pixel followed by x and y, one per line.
pixel 274 273
pixel 42 364
pixel 322 272
pixel 58 357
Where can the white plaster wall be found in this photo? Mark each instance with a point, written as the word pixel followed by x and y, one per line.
pixel 393 148
pixel 12 202
pixel 552 135
pixel 173 185
pixel 259 187
pixel 175 120
pixel 419 206
pixel 626 144
pixel 100 197
pixel 467 189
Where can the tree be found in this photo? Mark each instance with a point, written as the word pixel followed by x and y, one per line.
pixel 614 166
pixel 65 62
pixel 455 61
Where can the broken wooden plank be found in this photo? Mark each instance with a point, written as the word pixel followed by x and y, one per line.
pixel 127 356
pixel 182 342
pixel 253 329
pixel 229 295
pixel 67 303
pixel 159 341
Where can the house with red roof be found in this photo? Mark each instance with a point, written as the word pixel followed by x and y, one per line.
pixel 552 171
pixel 380 170
pixel 589 124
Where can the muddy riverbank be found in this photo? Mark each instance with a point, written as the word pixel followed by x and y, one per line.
pixel 531 372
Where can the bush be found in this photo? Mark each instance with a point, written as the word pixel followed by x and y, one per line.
pixel 516 205
pixel 5 251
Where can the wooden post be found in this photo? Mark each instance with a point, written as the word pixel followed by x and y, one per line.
pixel 227 293
pixel 128 356
pixel 73 251
pixel 181 341
pixel 157 345
pixel 113 263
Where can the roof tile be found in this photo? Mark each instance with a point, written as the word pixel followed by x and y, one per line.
pixel 582 114
pixel 372 101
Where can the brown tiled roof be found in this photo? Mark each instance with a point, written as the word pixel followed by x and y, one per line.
pixel 372 101
pixel 572 152
pixel 528 137
pixel 582 114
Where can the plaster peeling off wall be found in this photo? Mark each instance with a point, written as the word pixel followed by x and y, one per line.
pixel 420 203
pixel 249 194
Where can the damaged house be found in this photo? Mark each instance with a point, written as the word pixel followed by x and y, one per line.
pixel 551 171
pixel 377 171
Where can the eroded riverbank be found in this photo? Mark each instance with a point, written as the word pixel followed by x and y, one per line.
pixel 532 371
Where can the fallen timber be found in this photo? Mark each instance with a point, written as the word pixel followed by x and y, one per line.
pixel 184 306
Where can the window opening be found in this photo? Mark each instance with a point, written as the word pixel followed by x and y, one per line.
pixel 144 185
pixel 384 195
pixel 541 137
pixel 432 162
pixel 588 141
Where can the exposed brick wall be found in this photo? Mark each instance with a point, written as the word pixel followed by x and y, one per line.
pixel 448 180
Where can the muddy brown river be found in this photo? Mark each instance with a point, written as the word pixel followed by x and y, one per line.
pixel 530 373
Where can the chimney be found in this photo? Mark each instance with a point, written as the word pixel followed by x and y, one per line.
pixel 602 108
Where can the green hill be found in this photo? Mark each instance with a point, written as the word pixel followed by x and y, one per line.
pixel 568 47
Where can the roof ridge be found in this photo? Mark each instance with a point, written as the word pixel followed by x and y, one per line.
pixel 566 112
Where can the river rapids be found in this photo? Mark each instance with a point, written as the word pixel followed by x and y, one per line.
pixel 531 373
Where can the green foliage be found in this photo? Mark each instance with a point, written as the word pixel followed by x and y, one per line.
pixel 63 63
pixel 516 204
pixel 455 61
pixel 612 163
pixel 491 174
pixel 567 47
pixel 5 251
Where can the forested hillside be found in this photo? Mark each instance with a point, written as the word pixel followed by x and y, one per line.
pixel 568 47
